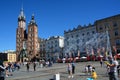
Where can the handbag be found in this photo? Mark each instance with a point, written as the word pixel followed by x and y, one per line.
pixel 111 73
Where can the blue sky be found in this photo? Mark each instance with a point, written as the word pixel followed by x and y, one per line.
pixel 52 16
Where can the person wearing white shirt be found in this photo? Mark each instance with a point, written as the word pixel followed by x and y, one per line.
pixel 113 69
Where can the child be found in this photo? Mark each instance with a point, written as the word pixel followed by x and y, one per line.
pixel 94 74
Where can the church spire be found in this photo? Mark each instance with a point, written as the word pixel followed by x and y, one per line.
pixel 21 19
pixel 21 15
pixel 32 20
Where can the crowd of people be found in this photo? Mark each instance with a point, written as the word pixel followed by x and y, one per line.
pixel 112 66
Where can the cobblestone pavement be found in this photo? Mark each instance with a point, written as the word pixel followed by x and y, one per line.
pixel 61 68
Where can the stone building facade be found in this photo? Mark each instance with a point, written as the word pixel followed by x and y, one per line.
pixel 54 47
pixel 76 39
pixel 112 25
pixel 42 48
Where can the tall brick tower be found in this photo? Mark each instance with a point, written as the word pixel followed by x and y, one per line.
pixel 32 40
pixel 21 35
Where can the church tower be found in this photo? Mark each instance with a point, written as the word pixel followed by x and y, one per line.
pixel 32 39
pixel 21 35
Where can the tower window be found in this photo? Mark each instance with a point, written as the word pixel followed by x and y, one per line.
pixel 115 24
pixel 30 29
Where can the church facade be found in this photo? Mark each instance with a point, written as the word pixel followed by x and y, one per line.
pixel 26 38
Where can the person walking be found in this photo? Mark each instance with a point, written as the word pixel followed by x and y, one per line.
pixel 70 70
pixel 118 70
pixel 27 65
pixel 73 67
pixel 34 66
pixel 113 75
pixel 101 62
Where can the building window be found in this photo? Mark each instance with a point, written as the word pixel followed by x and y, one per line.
pixel 30 29
pixel 55 41
pixel 18 32
pixel 72 36
pixel 116 33
pixel 115 24
pixel 101 28
pixel 77 41
pixel 118 42
pixel 67 37
pixel 77 35
pixel 83 34
pixel 68 43
pixel 106 26
pixel 51 42
pixel 56 45
pixel 48 42
pixel 87 33
pixel 40 45
pixel 93 32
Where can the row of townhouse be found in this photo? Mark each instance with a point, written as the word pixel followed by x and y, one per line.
pixel 84 39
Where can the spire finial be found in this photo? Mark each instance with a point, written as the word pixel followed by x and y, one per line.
pixel 21 11
pixel 32 20
pixel 33 16
pixel 21 15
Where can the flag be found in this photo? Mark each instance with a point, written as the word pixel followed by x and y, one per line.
pixel 114 47
pixel 106 53
pixel 87 52
pixel 78 53
pixel 98 51
pixel 103 49
pixel 92 52
pixel 70 55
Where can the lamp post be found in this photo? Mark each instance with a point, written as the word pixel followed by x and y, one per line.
pixel 62 52
pixel 51 53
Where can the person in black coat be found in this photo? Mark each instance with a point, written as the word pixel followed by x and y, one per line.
pixel 118 69
pixel 2 71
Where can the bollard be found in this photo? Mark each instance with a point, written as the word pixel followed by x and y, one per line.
pixel 57 76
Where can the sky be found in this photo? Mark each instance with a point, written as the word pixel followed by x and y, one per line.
pixel 51 16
